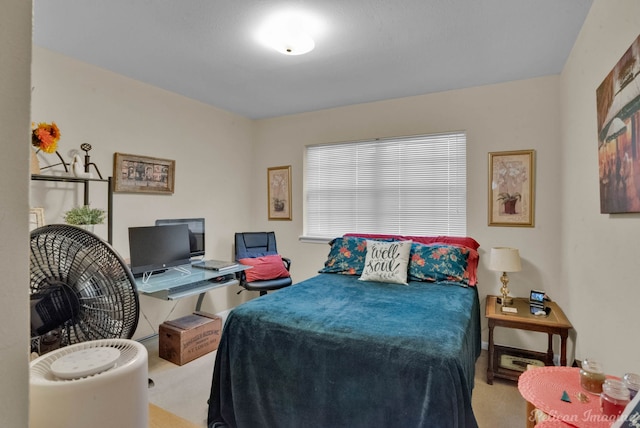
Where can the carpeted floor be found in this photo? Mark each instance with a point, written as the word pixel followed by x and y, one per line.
pixel 184 390
pixel 499 405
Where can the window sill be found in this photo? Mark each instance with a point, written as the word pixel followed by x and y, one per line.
pixel 314 240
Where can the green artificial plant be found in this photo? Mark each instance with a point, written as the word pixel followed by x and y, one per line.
pixel 84 215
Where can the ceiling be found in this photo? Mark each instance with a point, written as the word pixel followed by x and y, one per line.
pixel 368 50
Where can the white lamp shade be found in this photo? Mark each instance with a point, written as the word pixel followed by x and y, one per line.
pixel 505 259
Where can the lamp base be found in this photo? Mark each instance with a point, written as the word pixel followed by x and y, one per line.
pixel 508 301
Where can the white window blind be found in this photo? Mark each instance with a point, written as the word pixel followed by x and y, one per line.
pixel 408 185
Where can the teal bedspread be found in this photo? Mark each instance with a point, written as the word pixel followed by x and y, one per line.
pixel 333 351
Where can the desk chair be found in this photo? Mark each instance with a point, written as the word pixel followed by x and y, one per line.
pixel 259 246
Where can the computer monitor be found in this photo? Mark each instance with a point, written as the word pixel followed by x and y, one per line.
pixel 196 232
pixel 156 248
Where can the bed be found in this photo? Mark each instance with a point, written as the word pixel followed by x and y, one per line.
pixel 336 351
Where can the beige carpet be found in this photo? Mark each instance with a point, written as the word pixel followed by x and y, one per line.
pixel 184 390
pixel 499 405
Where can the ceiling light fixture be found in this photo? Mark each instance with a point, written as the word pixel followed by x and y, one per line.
pixel 289 32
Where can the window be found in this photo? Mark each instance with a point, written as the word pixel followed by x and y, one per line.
pixel 407 185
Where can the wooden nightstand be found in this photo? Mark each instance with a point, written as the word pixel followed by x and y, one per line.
pixel 555 323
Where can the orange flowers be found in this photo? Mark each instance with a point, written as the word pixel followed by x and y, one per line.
pixel 417 260
pixel 45 137
pixel 345 252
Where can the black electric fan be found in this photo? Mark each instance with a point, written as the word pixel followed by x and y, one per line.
pixel 80 289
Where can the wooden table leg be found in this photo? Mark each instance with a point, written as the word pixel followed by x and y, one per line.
pixel 490 362
pixel 550 350
pixel 531 417
pixel 563 347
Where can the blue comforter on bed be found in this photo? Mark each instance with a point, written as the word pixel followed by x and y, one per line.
pixel 333 351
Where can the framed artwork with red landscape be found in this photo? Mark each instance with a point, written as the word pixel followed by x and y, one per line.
pixel 618 104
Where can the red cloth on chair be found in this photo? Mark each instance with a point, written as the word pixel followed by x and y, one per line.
pixel 264 268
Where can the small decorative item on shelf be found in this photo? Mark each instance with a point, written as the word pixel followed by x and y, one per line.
pixel 87 163
pixel 45 137
pixel 77 168
pixel 34 166
pixel 85 217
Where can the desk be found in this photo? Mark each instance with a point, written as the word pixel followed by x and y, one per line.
pixel 542 387
pixel 174 285
pixel 555 323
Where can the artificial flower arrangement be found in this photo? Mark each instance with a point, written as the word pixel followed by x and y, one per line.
pixel 45 137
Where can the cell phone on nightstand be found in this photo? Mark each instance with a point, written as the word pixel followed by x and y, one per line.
pixel 536 303
pixel 537 296
pixel 541 312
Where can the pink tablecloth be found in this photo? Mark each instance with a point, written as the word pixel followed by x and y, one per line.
pixel 543 387
pixel 552 423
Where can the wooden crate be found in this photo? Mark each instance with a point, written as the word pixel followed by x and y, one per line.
pixel 190 337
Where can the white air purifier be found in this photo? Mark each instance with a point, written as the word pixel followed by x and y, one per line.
pixel 94 384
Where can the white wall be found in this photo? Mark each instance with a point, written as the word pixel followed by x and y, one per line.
pixel 117 114
pixel 15 57
pixel 509 116
pixel 600 251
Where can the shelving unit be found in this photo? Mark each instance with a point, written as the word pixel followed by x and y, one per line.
pixel 85 182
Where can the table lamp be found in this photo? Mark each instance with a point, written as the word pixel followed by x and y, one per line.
pixel 505 259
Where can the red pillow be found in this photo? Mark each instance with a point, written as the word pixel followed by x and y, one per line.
pixel 265 267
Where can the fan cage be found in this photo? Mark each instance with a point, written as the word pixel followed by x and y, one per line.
pixel 108 303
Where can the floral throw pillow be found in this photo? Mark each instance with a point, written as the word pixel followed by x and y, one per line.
pixel 346 256
pixel 386 262
pixel 438 263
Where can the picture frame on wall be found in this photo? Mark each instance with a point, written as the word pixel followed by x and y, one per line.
pixel 36 218
pixel 511 188
pixel 143 174
pixel 618 121
pixel 279 192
